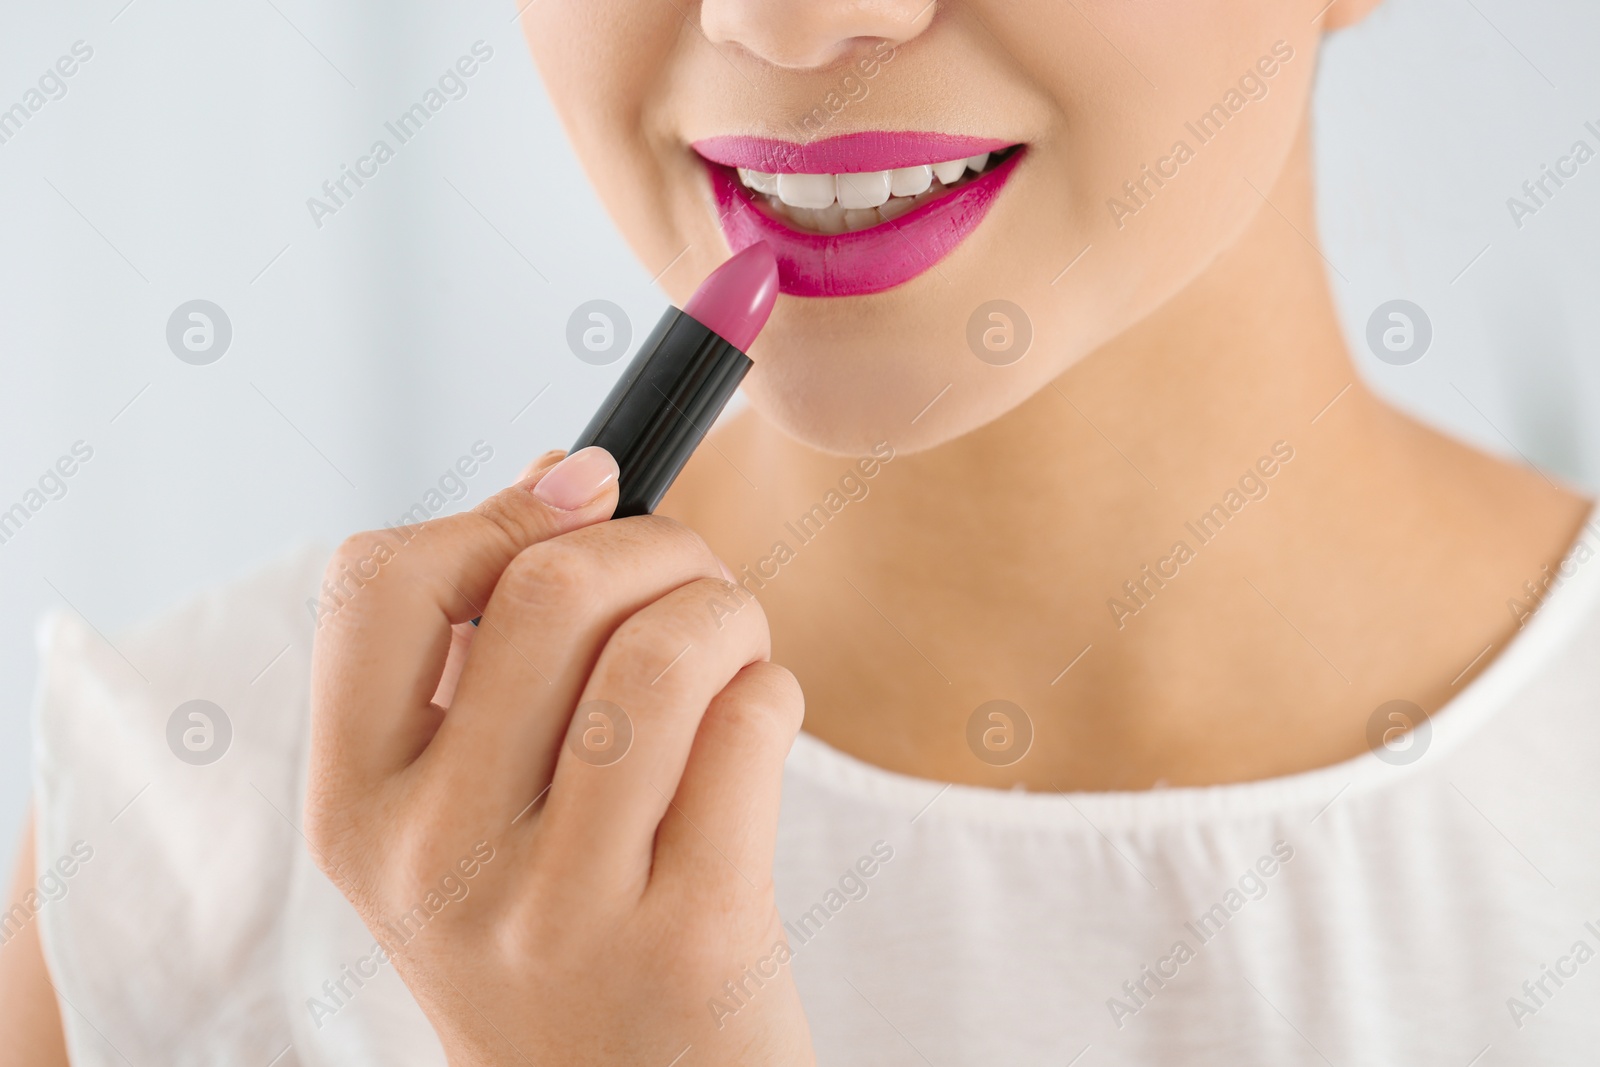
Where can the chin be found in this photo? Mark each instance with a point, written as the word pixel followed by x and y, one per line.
pixel 844 378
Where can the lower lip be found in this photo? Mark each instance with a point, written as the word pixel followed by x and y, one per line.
pixel 866 261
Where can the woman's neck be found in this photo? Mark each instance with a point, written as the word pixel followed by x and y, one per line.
pixel 1206 553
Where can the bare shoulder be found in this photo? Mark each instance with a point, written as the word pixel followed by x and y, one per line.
pixel 29 1016
pixel 1511 512
pixel 1483 531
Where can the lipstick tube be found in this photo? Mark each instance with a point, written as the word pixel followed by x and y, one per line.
pixel 682 377
pixel 662 407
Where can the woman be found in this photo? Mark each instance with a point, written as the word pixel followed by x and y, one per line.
pixel 1069 498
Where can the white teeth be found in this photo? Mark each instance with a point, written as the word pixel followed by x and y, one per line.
pixel 859 218
pixel 863 190
pixel 897 206
pixel 806 190
pixel 860 190
pixel 846 203
pixel 831 220
pixel 909 181
pixel 759 181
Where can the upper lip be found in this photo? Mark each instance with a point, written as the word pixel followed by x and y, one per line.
pixel 851 153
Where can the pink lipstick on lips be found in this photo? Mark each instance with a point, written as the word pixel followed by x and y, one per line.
pixel 868 260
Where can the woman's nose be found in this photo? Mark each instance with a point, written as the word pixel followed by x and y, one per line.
pixel 811 33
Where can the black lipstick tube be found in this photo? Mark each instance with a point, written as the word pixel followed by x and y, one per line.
pixel 662 408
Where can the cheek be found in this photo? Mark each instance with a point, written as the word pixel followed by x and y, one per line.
pixel 1165 178
pixel 605 65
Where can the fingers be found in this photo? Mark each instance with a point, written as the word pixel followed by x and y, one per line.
pixel 462 632
pixel 390 597
pixel 656 676
pixel 461 635
pixel 554 610
pixel 724 819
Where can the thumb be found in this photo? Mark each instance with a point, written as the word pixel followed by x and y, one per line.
pixel 557 493
pixel 381 652
pixel 461 633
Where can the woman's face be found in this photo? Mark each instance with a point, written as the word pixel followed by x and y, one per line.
pixel 1131 141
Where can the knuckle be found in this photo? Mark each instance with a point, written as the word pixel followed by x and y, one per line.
pixel 417 861
pixel 351 549
pixel 360 557
pixel 768 695
pixel 719 609
pixel 667 533
pixel 729 603
pixel 351 582
pixel 555 573
pixel 642 655
pixel 541 932
pixel 656 628
pixel 695 616
pixel 513 516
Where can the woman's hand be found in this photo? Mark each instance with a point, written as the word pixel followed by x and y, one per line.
pixel 558 888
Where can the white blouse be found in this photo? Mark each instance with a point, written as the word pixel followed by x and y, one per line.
pixel 1441 906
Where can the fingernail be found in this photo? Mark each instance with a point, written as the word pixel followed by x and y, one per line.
pixel 527 472
pixel 577 480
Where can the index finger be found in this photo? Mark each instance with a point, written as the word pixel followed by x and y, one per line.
pixel 391 596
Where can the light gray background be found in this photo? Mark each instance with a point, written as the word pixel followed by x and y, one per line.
pixel 370 354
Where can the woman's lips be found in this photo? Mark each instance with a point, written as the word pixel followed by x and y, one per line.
pixel 851 153
pixel 911 240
